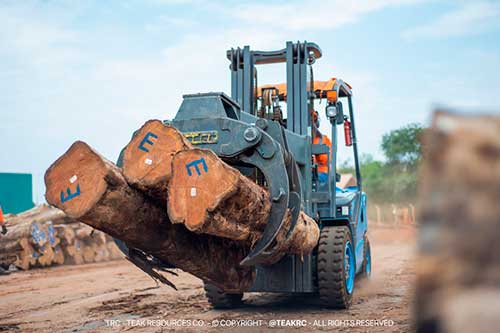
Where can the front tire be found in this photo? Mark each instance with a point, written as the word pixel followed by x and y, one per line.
pixel 336 267
pixel 221 300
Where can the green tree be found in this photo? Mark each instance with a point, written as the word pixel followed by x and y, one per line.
pixel 402 146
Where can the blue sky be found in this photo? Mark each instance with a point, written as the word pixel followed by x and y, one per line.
pixel 96 70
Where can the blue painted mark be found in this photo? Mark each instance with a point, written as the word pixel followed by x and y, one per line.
pixel 146 140
pixel 37 234
pixel 195 164
pixel 69 194
pixel 52 238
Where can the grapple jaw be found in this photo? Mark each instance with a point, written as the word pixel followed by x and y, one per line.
pixel 251 141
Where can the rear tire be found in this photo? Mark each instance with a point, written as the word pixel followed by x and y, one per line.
pixel 221 300
pixel 336 267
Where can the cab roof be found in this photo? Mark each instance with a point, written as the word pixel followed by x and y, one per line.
pixel 320 88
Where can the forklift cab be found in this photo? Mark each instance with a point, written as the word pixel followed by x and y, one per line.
pixel 337 93
pixel 339 212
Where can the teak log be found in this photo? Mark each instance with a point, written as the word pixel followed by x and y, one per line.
pixel 45 255
pixel 73 254
pixel 92 190
pixel 58 255
pixel 40 214
pixel 16 246
pixel 65 233
pixel 147 159
pixel 18 252
pixel 209 196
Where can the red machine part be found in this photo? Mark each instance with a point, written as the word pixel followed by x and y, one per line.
pixel 347 133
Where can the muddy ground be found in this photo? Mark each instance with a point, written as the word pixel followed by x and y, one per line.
pixel 116 296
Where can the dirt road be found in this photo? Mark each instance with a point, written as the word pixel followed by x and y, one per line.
pixel 116 296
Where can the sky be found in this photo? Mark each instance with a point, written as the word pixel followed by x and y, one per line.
pixel 97 70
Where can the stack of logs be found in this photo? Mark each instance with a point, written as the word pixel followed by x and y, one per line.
pixel 181 204
pixel 44 236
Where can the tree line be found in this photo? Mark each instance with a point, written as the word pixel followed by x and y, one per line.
pixel 393 180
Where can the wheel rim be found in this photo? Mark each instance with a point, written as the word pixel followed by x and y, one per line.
pixel 349 267
pixel 368 258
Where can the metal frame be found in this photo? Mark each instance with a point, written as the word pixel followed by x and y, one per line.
pixel 282 155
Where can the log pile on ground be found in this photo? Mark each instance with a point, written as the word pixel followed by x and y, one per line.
pixel 458 271
pixel 44 236
pixel 182 204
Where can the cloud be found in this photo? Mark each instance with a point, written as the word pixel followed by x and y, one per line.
pixel 470 19
pixel 310 14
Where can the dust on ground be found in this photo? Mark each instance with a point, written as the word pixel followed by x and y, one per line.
pixel 116 296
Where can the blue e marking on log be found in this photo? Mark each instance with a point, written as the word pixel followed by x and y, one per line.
pixel 195 164
pixel 146 140
pixel 70 195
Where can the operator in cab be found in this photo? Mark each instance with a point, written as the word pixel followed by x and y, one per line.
pixel 318 138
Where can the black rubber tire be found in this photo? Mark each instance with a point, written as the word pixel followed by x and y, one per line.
pixel 364 273
pixel 221 300
pixel 331 276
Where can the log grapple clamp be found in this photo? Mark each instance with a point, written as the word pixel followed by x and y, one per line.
pixel 246 143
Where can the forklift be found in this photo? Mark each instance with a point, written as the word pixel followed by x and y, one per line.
pixel 267 134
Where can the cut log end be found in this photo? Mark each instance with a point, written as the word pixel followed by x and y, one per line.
pixel 148 156
pixel 200 183
pixel 76 181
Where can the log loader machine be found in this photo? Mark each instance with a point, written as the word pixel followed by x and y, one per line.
pixel 253 132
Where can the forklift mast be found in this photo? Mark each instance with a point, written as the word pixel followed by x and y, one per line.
pixel 297 57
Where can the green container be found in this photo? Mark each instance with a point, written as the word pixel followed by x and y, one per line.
pixel 16 192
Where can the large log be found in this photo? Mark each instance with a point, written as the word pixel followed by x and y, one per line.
pixel 211 197
pixel 40 214
pixel 214 198
pixel 91 189
pixel 458 271
pixel 148 156
pixel 208 195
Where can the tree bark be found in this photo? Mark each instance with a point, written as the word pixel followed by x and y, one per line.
pixel 214 198
pixel 92 190
pixel 40 214
pixel 208 196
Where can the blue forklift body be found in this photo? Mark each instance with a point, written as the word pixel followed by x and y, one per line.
pixel 281 154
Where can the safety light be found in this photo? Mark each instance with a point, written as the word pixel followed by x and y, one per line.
pixel 331 111
pixel 331 96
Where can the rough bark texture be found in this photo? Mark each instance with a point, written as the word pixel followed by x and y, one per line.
pixel 106 202
pixel 458 271
pixel 40 214
pixel 147 159
pixel 216 199
pixel 208 196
